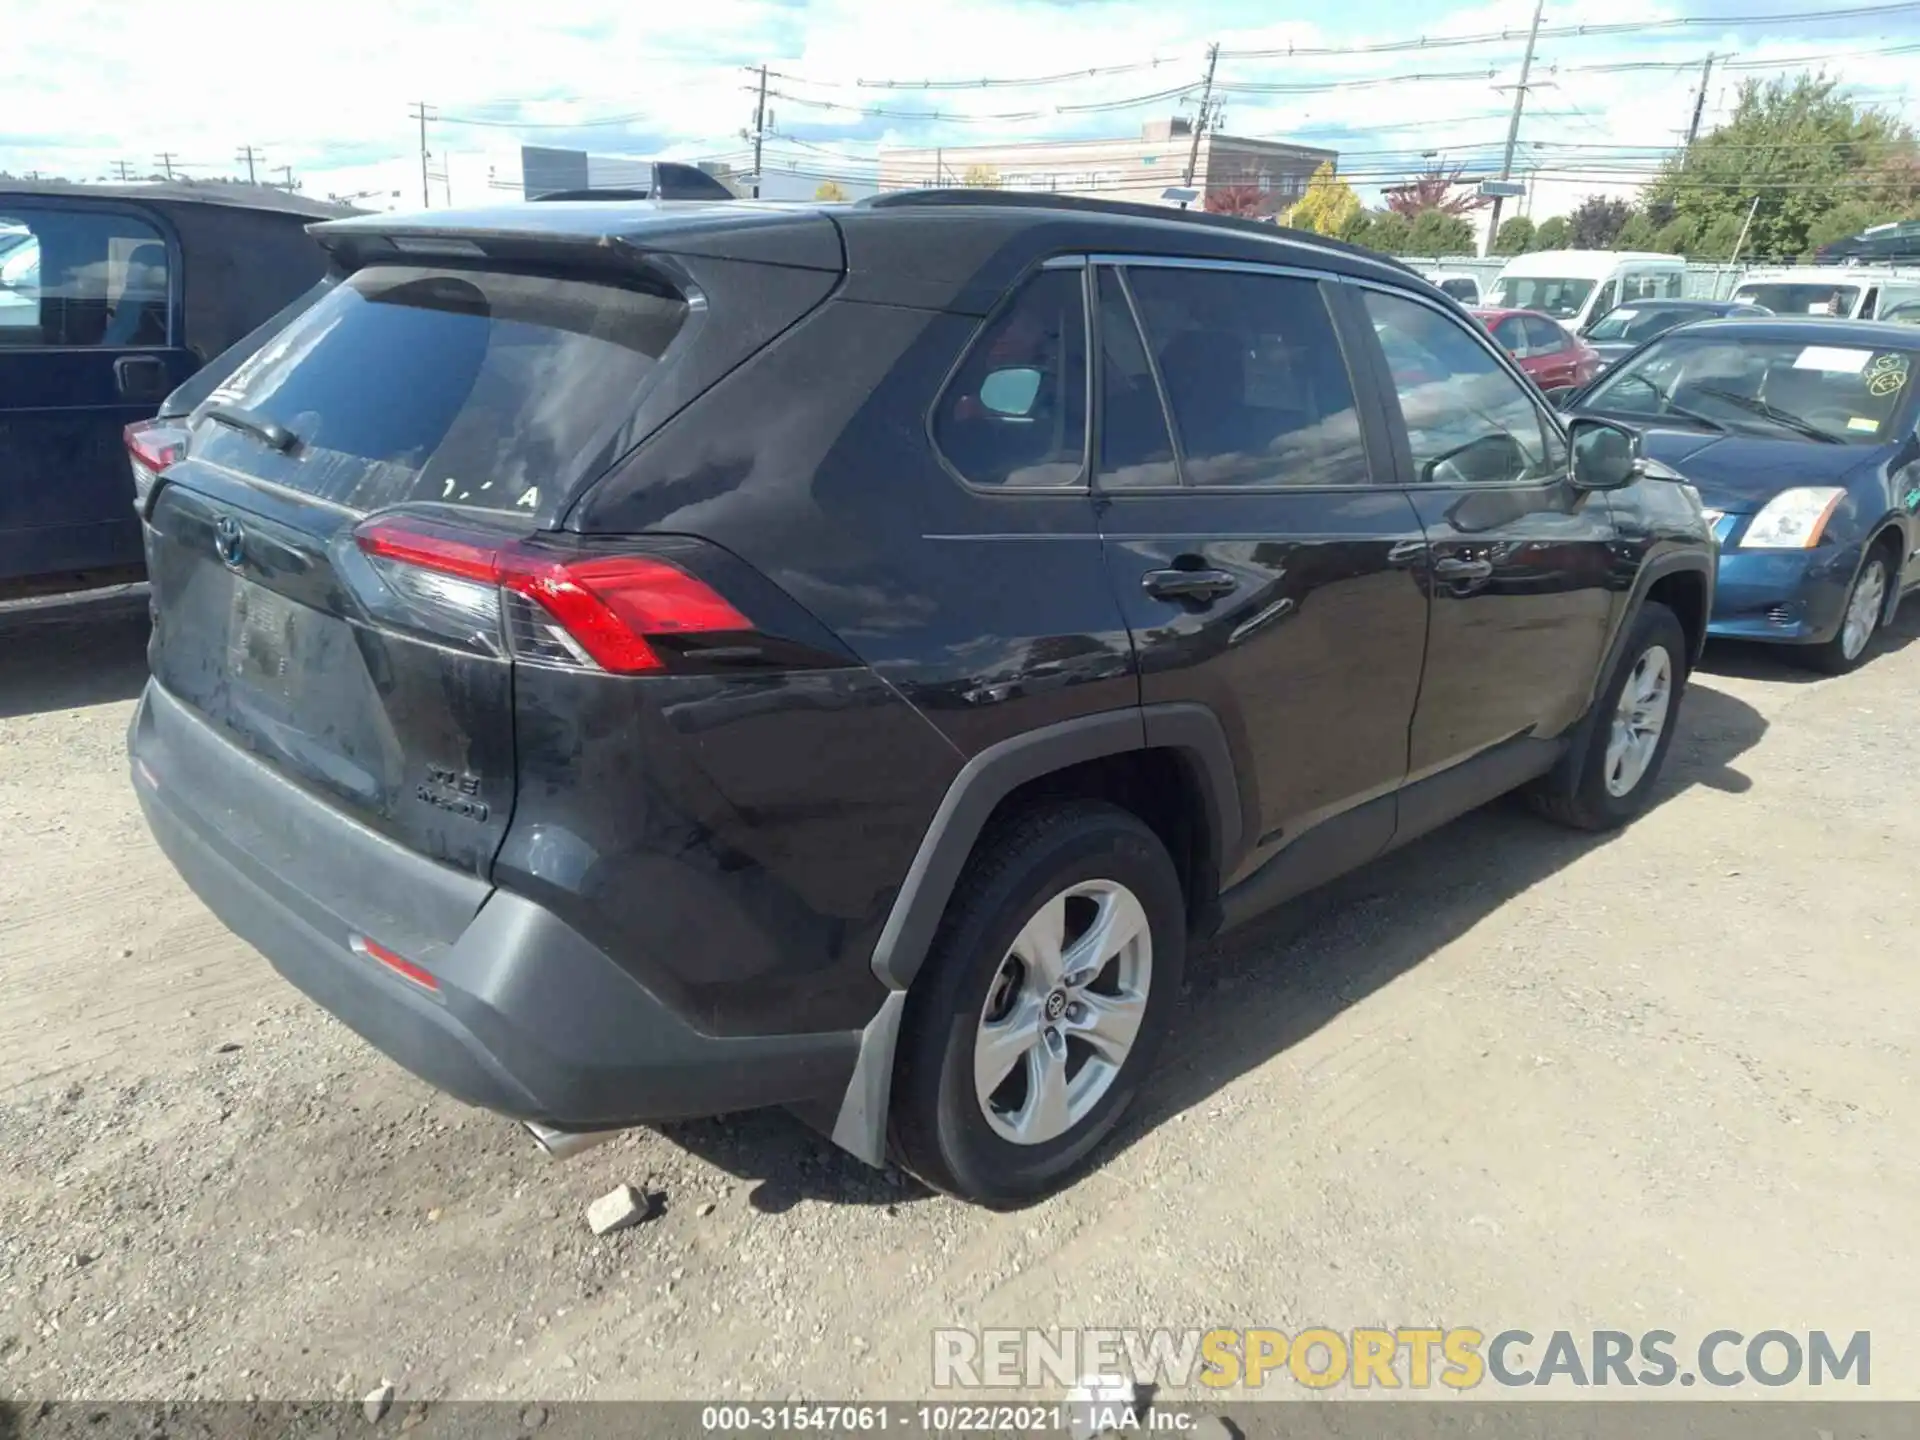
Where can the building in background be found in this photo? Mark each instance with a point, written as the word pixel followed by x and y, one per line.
pixel 1265 177
pixel 546 171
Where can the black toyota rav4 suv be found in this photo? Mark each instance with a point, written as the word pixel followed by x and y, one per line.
pixel 636 661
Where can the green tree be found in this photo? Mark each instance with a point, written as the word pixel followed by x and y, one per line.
pixel 1675 237
pixel 829 190
pixel 1804 147
pixel 1328 204
pixel 1357 229
pixel 1515 237
pixel 1553 234
pixel 1389 233
pixel 1435 232
pixel 1718 238
pixel 1637 234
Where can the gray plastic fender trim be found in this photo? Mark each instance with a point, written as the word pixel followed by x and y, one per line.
pixel 986 780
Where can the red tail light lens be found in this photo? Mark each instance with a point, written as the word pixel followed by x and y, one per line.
pixel 152 445
pixel 585 612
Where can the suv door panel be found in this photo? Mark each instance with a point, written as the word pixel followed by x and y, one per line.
pixel 1309 644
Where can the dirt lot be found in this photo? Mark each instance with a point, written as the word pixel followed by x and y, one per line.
pixel 1508 1077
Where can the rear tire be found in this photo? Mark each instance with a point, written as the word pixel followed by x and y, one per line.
pixel 1859 621
pixel 1045 995
pixel 1633 724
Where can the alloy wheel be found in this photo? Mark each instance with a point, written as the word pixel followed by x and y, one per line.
pixel 1063 1012
pixel 1863 609
pixel 1639 719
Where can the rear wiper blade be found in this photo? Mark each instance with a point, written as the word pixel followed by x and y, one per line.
pixel 267 432
pixel 1773 413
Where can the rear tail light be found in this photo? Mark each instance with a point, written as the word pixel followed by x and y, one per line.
pixel 591 612
pixel 152 445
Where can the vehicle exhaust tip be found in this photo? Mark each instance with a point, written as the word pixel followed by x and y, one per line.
pixel 565 1144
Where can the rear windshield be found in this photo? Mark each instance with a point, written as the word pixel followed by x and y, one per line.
pixel 1801 299
pixel 464 387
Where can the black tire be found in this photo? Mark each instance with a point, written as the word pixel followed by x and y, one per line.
pixel 1590 804
pixel 1832 657
pixel 937 1124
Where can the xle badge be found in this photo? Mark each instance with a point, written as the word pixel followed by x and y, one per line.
pixel 453 791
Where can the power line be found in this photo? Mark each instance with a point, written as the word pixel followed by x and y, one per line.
pixel 1556 32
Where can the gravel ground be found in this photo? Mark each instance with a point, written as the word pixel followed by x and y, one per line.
pixel 1507 1077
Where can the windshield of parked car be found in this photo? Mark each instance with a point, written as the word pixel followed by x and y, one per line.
pixel 1558 296
pixel 1637 323
pixel 1801 298
pixel 1789 389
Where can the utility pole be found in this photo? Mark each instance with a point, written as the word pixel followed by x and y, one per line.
pixel 1700 100
pixel 759 130
pixel 122 171
pixel 249 154
pixel 1513 126
pixel 1200 120
pixel 165 160
pixel 1747 225
pixel 286 178
pixel 420 112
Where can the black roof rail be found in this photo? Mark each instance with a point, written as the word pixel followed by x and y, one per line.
pixel 1041 200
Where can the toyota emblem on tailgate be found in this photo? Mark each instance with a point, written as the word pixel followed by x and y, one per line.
pixel 229 541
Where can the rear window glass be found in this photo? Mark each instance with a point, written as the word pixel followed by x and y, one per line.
pixel 467 388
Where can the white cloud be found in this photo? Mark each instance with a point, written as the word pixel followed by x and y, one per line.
pixel 327 89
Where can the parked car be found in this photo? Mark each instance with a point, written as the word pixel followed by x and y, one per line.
pixel 1835 292
pixel 1800 436
pixel 1576 286
pixel 1553 355
pixel 1458 283
pixel 840 656
pixel 110 297
pixel 1623 329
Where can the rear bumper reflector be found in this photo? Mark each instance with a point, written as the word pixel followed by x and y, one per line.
pixel 399 964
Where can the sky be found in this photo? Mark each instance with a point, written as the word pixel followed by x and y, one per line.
pixel 328 89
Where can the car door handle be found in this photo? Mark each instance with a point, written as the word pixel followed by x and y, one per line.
pixel 1454 568
pixel 140 377
pixel 1205 586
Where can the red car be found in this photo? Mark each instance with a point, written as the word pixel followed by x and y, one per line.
pixel 1552 354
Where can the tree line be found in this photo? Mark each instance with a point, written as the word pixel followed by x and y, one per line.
pixel 1798 165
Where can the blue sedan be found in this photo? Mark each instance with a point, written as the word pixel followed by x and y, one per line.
pixel 1800 437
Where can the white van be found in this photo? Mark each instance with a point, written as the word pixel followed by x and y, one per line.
pixel 1458 283
pixel 1577 287
pixel 1842 292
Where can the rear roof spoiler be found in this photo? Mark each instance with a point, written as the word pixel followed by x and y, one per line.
pixel 670 181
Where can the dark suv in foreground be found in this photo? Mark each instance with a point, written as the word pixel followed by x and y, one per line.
pixel 637 661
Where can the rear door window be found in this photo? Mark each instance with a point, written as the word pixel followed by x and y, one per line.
pixel 1136 450
pixel 1544 337
pixel 462 387
pixel 1015 413
pixel 1512 336
pixel 1254 376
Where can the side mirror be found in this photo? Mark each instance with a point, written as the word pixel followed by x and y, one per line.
pixel 1605 457
pixel 1010 393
